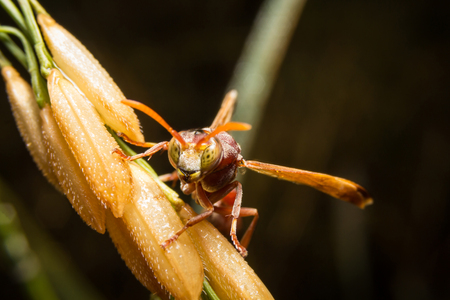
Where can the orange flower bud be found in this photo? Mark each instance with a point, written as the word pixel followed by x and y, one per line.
pixel 28 120
pixel 69 174
pixel 92 79
pixel 151 220
pixel 109 176
pixel 227 272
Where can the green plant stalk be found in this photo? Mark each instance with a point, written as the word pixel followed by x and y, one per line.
pixel 14 49
pixel 257 68
pixel 207 288
pixel 37 82
pixel 45 59
pixel 15 14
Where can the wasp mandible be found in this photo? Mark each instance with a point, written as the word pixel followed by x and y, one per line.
pixel 206 162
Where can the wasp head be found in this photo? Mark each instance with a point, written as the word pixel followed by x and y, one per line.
pixel 198 156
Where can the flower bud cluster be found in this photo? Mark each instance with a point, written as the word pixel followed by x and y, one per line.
pixel 71 145
pixel 73 148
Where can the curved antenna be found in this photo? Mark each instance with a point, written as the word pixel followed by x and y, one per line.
pixel 154 115
pixel 226 127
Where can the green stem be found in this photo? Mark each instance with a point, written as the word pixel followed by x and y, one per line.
pixel 4 62
pixel 45 60
pixel 14 13
pixel 209 290
pixel 37 82
pixel 30 22
pixel 14 49
pixel 257 68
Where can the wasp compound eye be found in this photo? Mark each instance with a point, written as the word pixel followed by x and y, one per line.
pixel 211 155
pixel 174 152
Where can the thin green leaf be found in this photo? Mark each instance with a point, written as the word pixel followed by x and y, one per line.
pixel 14 13
pixel 37 82
pixel 14 49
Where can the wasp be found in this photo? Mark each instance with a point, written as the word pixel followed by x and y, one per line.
pixel 207 160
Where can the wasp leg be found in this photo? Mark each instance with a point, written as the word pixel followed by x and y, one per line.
pixel 160 146
pixel 205 203
pixel 245 212
pixel 223 207
pixel 170 177
pixel 235 211
pixel 130 141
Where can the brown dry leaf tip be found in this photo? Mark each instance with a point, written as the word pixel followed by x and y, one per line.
pixel 69 174
pixel 151 220
pixel 130 253
pixel 92 79
pixel 26 113
pixel 108 175
pixel 227 272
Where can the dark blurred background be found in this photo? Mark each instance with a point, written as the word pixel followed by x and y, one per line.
pixel 362 94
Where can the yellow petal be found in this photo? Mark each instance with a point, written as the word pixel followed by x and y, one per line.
pixel 92 79
pixel 151 220
pixel 130 253
pixel 227 272
pixel 28 120
pixel 108 175
pixel 69 174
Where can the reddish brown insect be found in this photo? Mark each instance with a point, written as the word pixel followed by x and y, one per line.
pixel 206 162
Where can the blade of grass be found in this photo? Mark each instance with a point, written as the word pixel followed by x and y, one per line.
pixel 257 68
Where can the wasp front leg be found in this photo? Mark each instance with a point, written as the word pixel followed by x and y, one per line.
pixel 245 212
pixel 130 141
pixel 170 177
pixel 160 146
pixel 234 212
pixel 205 203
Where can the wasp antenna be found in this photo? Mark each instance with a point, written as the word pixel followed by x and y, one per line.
pixel 226 127
pixel 155 116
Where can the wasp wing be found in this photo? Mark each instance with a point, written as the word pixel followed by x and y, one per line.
pixel 339 188
pixel 226 110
